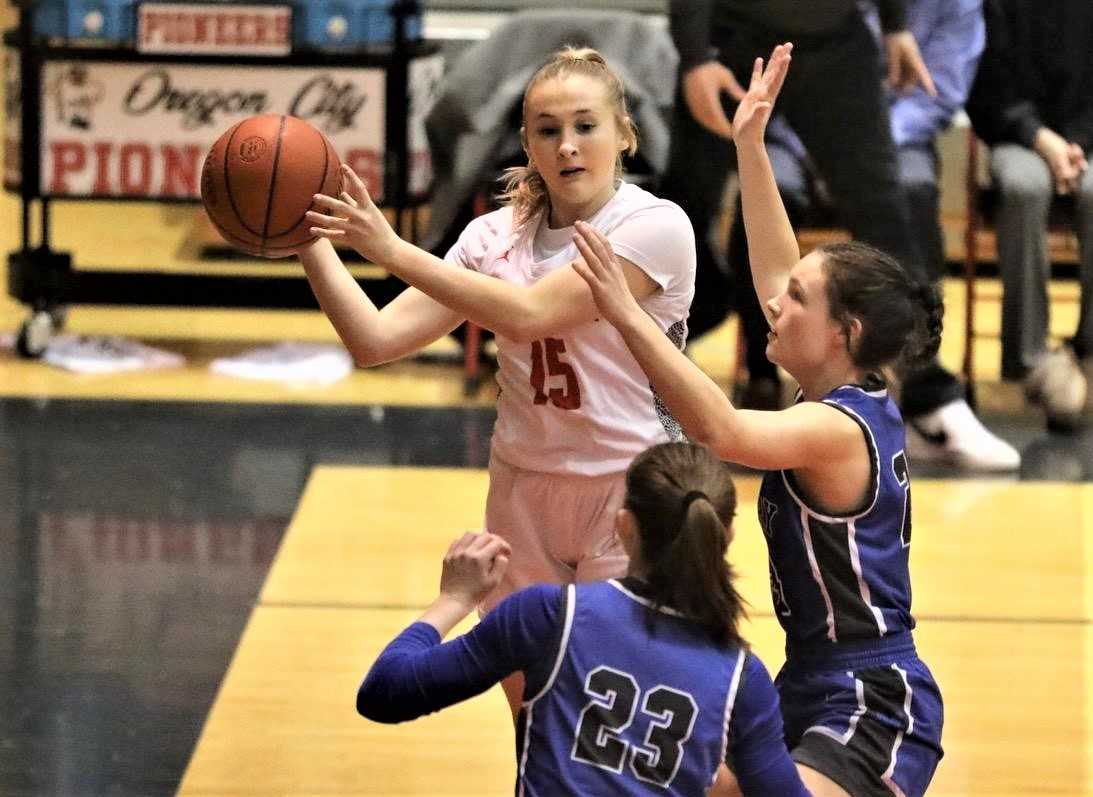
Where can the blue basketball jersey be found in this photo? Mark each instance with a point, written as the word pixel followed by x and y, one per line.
pixel 844 579
pixel 638 701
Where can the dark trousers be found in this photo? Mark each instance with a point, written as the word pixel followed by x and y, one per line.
pixel 839 111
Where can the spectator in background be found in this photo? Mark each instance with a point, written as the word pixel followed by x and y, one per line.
pixel 951 35
pixel 840 111
pixel 1032 103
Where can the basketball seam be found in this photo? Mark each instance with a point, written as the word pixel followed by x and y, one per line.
pixel 227 182
pixel 273 180
pixel 250 247
pixel 311 205
pixel 229 236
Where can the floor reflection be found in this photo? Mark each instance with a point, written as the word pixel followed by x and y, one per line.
pixel 134 538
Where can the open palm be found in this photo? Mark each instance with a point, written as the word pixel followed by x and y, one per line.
pixel 753 112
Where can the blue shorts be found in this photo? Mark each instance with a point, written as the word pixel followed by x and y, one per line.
pixel 870 723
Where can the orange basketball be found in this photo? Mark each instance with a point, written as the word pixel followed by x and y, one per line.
pixel 259 178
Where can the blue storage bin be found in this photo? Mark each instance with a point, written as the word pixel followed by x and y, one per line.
pixel 98 21
pixel 378 23
pixel 348 24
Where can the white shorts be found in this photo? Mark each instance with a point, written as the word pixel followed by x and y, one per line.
pixel 561 528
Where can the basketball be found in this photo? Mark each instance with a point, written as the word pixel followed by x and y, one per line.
pixel 259 178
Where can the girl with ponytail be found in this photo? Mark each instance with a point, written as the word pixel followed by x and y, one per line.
pixel 632 683
pixel 574 406
pixel 863 714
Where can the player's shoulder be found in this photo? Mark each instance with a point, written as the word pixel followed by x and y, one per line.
pixel 484 236
pixel 633 200
pixel 493 225
pixel 754 671
pixel 544 598
pixel 870 402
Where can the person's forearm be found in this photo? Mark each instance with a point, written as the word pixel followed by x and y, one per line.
pixel 772 244
pixel 499 306
pixel 352 314
pixel 445 613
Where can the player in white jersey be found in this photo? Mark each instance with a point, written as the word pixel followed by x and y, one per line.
pixel 575 407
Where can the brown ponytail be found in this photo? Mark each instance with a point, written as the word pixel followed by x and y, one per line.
pixel 684 500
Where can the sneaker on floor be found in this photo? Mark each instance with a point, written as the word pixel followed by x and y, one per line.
pixel 953 434
pixel 1058 385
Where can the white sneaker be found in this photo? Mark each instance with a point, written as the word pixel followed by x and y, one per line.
pixel 954 435
pixel 1058 385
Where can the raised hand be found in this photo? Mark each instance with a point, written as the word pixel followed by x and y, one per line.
pixel 604 275
pixel 753 112
pixel 354 219
pixel 472 568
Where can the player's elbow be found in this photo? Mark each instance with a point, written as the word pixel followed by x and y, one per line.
pixel 374 704
pixel 525 328
pixel 706 434
pixel 371 354
pixel 714 435
pixel 366 357
pixel 521 332
pixel 526 321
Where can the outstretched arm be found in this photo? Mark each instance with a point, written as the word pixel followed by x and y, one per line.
pixel 416 674
pixel 372 336
pixel 803 436
pixel 521 313
pixel 772 243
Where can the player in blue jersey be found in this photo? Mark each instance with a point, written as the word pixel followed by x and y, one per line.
pixel 862 713
pixel 632 687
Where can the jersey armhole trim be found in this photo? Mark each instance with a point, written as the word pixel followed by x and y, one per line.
pixel 563 644
pixel 874 474
pixel 730 701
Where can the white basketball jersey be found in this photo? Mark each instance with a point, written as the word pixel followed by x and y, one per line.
pixel 578 402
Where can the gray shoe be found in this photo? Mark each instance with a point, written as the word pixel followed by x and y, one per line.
pixel 1058 385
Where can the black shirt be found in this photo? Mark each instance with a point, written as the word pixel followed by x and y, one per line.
pixel 1036 72
pixel 695 23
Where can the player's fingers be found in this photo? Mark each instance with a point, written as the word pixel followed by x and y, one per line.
pixel 756 72
pixel 452 547
pixel 779 68
pixel 586 274
pixel 329 202
pixel 599 244
pixel 592 264
pixel 323 220
pixel 347 199
pixel 583 245
pixel 494 546
pixel 500 565
pixel 356 185
pixel 323 232
pixel 462 544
